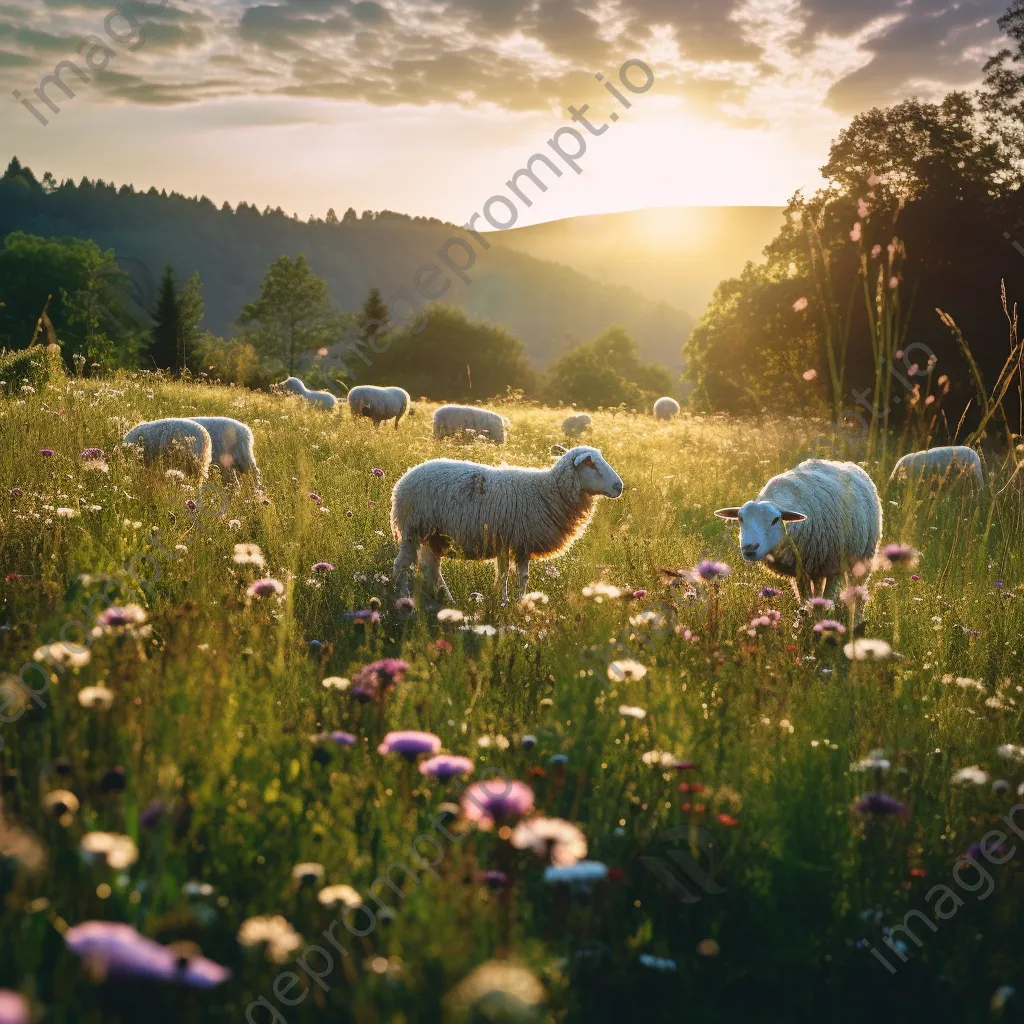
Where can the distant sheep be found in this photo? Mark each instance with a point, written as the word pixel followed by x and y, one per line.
pixel 486 512
pixel 451 420
pixel 232 448
pixel 835 517
pixel 952 462
pixel 666 409
pixel 378 404
pixel 322 398
pixel 575 425
pixel 161 439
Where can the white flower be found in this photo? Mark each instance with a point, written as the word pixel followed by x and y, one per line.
pixel 619 671
pixel 484 630
pixel 556 838
pixel 1011 752
pixel 308 871
pixel 660 759
pixel 534 598
pixel 583 872
pixel 339 895
pixel 275 932
pixel 249 554
pixel 196 889
pixel 964 682
pixel 97 698
pixel 336 683
pixel 973 775
pixel 875 761
pixel 63 653
pixel 119 851
pixel 174 474
pixel 628 712
pixel 450 615
pixel 599 591
pixel 648 618
pixel 67 513
pixel 235 524
pixel 866 649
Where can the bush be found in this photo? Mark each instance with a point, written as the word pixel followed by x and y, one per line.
pixel 36 367
pixel 232 361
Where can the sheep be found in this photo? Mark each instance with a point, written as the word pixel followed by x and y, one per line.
pixel 575 425
pixel 450 420
pixel 954 461
pixel 232 448
pixel 837 522
pixel 159 438
pixel 322 398
pixel 490 512
pixel 666 409
pixel 379 404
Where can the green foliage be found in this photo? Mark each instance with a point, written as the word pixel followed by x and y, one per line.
pixel 606 372
pixel 292 315
pixel 177 323
pixel 231 361
pixel 375 316
pixel 35 366
pixel 448 357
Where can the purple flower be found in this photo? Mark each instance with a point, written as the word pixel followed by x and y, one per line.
pixel 339 738
pixel 410 743
pixel 323 567
pixel 707 570
pixel 92 453
pixel 769 592
pixel 879 804
pixel 16 492
pixel 267 587
pixel 13 1008
pixel 829 627
pixel 313 496
pixel 493 879
pixel 151 816
pixel 365 615
pixel 372 680
pixel 378 472
pixel 821 602
pixel 495 800
pixel 639 595
pixel 405 605
pixel 119 950
pixel 191 505
pixel 46 452
pixel 115 617
pixel 446 766
pixel 900 554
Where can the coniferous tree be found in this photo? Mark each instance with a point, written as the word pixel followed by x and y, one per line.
pixel 166 330
pixel 374 315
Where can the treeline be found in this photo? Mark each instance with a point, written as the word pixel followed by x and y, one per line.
pixel 923 204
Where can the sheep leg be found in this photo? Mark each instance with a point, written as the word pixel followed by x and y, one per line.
pixel 523 567
pixel 403 563
pixel 829 587
pixel 502 574
pixel 430 559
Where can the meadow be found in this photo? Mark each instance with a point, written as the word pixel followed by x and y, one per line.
pixel 720 771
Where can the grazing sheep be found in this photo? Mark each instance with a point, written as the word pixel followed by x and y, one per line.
pixel 666 409
pixel 160 439
pixel 378 404
pixel 232 448
pixel 836 517
pixel 322 398
pixel 575 425
pixel 494 512
pixel 450 420
pixel 951 462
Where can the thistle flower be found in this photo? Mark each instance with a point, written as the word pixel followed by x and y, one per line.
pixel 89 454
pixel 899 554
pixel 769 592
pixel 446 766
pixel 96 698
pixel 880 804
pixel 337 737
pixel 16 492
pixel 267 587
pixel 323 567
pixel 495 800
pixel 555 839
pixel 373 680
pixel 378 472
pixel 867 649
pixel 410 743
pixel 121 619
pixel 46 452
pixel 708 570
pixel 820 604
pixel 829 628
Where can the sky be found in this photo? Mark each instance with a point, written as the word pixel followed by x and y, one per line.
pixel 430 106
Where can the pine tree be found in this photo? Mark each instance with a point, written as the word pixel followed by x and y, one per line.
pixel 166 334
pixel 374 313
pixel 331 218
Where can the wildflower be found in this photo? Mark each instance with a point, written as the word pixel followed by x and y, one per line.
pixel 307 872
pixel 191 505
pixel 67 513
pixel 96 698
pixel 446 766
pixel 875 761
pixel 372 680
pixel 364 615
pixel 629 712
pixel 620 671
pixel 334 896
pixel 118 851
pixel 267 587
pixel 656 963
pixel 248 554
pixel 323 567
pixel 119 950
pixel 533 599
pixel 337 737
pixel 800 305
pixel 863 209
pixel 443 646
pixel 582 873
pixel 495 800
pixel 174 474
pixel 770 620
pixel 409 743
pixel 853 595
pixel 62 804
pixel 663 759
pixel 899 554
pixel 559 841
pixel 727 819
pixel 820 604
pixel 528 742
pixel 493 879
pixel 708 570
pixel 1011 752
pixel 61 653
pixel 829 628
pixel 90 454
pixel 880 804
pixel 13 577
pixel 876 251
pixel 313 496
pixel 769 592
pixel 195 890
pixel 151 815
pixel 16 492
pixel 973 775
pixel 14 1008
pixel 46 452
pixel 450 615
pixel 708 947
pixel 866 649
pixel 279 937
pixel 498 986
pixel 810 374
pixel 855 232
pixel 378 472
pixel 406 606
pixel 600 591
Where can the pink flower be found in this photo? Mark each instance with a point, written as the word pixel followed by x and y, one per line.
pixel 267 587
pixel 16 492
pixel 313 496
pixel 809 374
pixel 856 232
pixel 13 1008
pixel 46 452
pixel 446 766
pixel 800 305
pixel 378 472
pixel 323 567
pixel 495 800
pixel 876 251
pixel 863 208
pixel 409 743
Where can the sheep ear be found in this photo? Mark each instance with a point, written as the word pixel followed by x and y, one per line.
pixel 557 449
pixel 583 459
pixel 727 513
pixel 792 517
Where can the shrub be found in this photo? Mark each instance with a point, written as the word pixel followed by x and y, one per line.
pixel 36 366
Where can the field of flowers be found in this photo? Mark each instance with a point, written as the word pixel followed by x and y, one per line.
pixel 240 783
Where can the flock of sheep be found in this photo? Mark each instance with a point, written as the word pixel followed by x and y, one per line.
pixel 813 524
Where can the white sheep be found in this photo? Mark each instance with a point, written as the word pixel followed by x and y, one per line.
pixel 666 408
pixel 232 448
pixel 836 523
pixel 950 462
pixel 486 512
pixel 322 398
pixel 378 404
pixel 159 439
pixel 451 420
pixel 575 425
